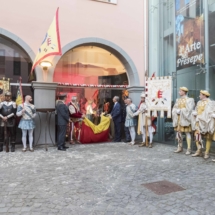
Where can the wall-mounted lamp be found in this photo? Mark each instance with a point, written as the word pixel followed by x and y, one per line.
pixel 45 65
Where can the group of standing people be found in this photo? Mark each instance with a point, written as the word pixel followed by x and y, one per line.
pixel 187 118
pixel 131 112
pixel 199 119
pixel 8 113
pixel 67 114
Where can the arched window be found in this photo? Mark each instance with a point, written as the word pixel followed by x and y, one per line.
pixel 14 62
pixel 90 65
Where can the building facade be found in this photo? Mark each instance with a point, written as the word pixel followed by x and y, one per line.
pixel 181 45
pixel 103 43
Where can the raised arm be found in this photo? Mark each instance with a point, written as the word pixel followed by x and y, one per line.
pixel 142 109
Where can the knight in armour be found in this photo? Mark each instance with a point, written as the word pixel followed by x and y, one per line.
pixel 7 121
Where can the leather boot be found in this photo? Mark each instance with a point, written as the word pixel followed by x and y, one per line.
pixel 180 148
pixel 12 147
pixel 1 147
pixel 142 144
pixel 199 150
pixel 197 153
pixel 206 156
pixel 150 145
pixel 188 152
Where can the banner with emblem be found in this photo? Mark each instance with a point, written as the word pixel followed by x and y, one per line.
pixel 51 43
pixel 159 95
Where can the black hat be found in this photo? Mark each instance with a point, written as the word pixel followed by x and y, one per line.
pixel 62 96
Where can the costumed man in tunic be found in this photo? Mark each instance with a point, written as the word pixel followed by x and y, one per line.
pixel 181 116
pixel 75 117
pixel 7 118
pixel 203 123
pixel 28 112
pixel 130 121
pixel 143 122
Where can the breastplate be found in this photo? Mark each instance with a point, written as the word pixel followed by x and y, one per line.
pixel 6 110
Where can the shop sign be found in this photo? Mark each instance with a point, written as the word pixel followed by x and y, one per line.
pixel 189 33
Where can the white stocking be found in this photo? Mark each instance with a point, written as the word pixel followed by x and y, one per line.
pixel 150 137
pixel 30 136
pixel 24 134
pixel 132 133
pixel 72 129
pixel 144 135
pixel 188 136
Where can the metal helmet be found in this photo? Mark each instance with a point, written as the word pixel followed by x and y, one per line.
pixel 8 93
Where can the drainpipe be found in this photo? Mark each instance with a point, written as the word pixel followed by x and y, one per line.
pixel 146 32
pixel 206 45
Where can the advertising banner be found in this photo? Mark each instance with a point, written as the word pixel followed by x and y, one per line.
pixel 189 26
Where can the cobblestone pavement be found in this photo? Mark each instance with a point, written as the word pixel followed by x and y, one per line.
pixel 104 179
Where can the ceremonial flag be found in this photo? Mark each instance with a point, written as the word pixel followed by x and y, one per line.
pixel 51 43
pixel 19 96
pixel 153 119
pixel 91 133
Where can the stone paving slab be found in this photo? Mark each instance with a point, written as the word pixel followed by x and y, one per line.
pixel 104 179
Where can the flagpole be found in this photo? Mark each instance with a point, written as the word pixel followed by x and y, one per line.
pixel 20 86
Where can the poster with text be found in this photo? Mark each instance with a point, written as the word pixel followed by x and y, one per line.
pixel 189 24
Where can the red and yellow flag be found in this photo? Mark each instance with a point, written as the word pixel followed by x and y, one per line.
pixel 91 133
pixel 51 43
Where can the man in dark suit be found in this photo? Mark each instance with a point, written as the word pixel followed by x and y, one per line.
pixel 62 121
pixel 116 116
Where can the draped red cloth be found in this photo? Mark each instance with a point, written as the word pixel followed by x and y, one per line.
pixel 91 133
pixel 87 135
